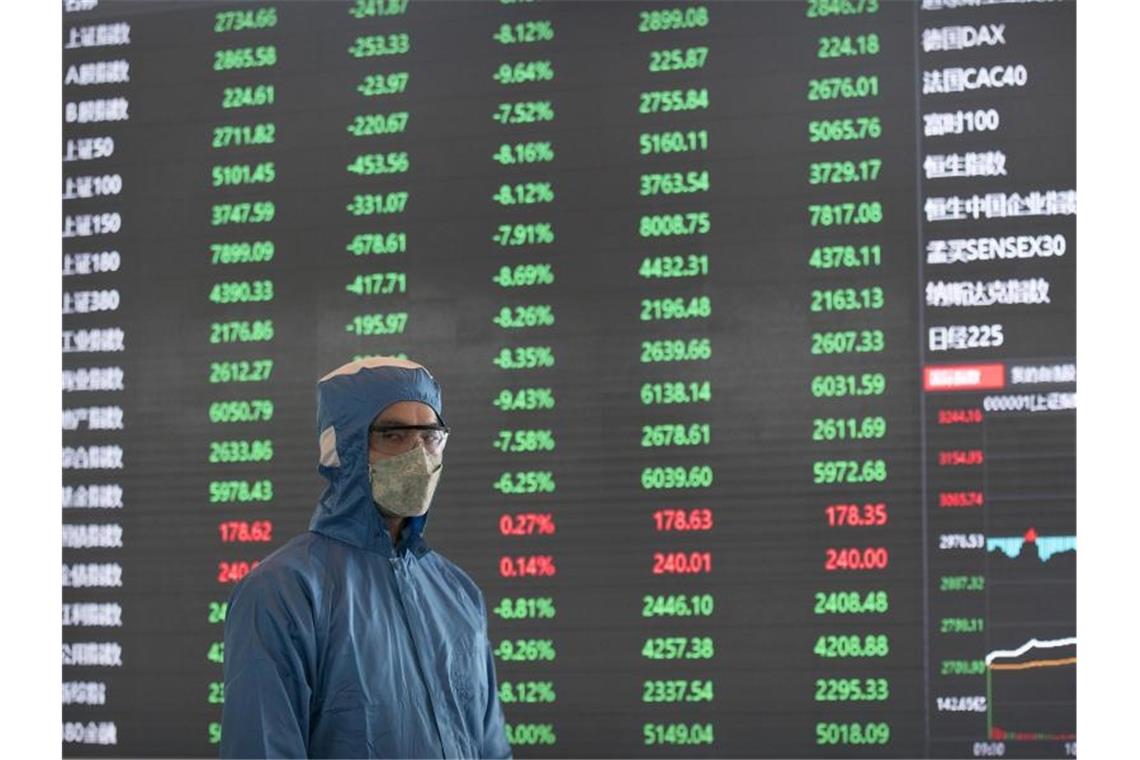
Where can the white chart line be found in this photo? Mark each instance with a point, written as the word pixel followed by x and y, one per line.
pixel 1031 644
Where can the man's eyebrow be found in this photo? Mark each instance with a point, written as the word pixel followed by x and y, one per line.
pixel 402 421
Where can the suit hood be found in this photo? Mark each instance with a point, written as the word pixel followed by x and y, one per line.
pixel 348 399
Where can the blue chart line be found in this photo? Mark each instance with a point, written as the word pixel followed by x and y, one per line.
pixel 1047 546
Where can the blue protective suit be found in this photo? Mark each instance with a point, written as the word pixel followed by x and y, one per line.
pixel 340 644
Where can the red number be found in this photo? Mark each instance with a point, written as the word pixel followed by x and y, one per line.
pixel 680 519
pixel 854 558
pixel 855 515
pixel 243 531
pixel 533 565
pixel 681 563
pixel 232 572
pixel 526 524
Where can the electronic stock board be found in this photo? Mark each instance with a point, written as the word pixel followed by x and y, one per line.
pixel 755 323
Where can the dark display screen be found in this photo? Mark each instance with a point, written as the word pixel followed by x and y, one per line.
pixel 755 323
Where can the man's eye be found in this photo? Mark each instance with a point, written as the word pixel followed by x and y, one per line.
pixel 393 435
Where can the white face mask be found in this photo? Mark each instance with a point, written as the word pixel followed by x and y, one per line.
pixel 402 486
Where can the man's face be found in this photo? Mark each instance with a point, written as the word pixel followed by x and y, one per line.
pixel 381 446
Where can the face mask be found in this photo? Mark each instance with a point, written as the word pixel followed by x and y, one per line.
pixel 402 486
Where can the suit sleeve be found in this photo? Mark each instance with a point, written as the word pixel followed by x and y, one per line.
pixel 269 657
pixel 494 726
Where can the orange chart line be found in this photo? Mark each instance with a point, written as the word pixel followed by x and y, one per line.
pixel 1036 664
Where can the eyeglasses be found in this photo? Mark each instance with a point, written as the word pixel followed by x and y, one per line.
pixel 397 439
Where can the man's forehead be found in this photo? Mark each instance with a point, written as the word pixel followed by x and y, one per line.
pixel 406 412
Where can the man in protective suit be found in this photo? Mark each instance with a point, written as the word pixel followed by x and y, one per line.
pixel 356 639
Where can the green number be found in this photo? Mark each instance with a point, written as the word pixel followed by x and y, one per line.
pixel 378 243
pixel 526 193
pixel 524 32
pixel 691 265
pixel 226 452
pixel 848 428
pixel 962 583
pixel 250 18
pixel 524 72
pixel 524 275
pixel 380 44
pixel 240 491
pixel 217 612
pixel 526 650
pixel 845 129
pixel 697 307
pixel 677 605
pixel 840 386
pixel 241 371
pixel 242 291
pixel 524 441
pixel 217 693
pixel 676 392
pixel 372 204
pixel 379 85
pixel 528 734
pixel 524 112
pixel 678 648
pixel 375 8
pixel 673 142
pixel 851 602
pixel 245 58
pixel 675 183
pixel 847 342
pixel 677 691
pixel 242 331
pixel 826 8
pixel 390 323
pixel 851 646
pixel 843 214
pixel 378 284
pixel 841 172
pixel 676 434
pixel 843 88
pixel 378 124
pixel 527 692
pixel 852 733
pixel 370 164
pixel 834 471
pixel 668 225
pixel 697 476
pixel 845 257
pixel 676 350
pixel 673 101
pixel 526 608
pixel 524 153
pixel 249 96
pixel 670 19
pixel 537 233
pixel 242 212
pixel 524 358
pixel 852 690
pixel 242 135
pixel 678 59
pixel 252 410
pixel 848 46
pixel 677 734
